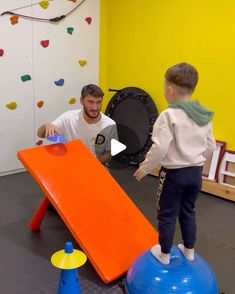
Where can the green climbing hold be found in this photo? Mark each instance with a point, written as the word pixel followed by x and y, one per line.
pixel 25 78
pixel 70 30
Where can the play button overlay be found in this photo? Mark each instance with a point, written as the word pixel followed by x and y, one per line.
pixel 107 139
pixel 116 147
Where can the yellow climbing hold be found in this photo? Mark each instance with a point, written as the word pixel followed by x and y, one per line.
pixel 11 105
pixel 44 4
pixel 82 62
pixel 72 100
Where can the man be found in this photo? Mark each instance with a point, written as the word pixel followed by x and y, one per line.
pixel 90 125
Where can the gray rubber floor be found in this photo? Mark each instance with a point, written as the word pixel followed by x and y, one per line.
pixel 25 256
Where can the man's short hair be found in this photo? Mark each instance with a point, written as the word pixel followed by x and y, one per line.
pixel 92 90
pixel 183 75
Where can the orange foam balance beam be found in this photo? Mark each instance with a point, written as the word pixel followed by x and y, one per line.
pixel 108 226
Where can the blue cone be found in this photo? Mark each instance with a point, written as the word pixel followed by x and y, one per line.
pixel 69 282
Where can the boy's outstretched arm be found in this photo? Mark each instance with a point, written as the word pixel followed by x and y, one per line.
pixel 162 137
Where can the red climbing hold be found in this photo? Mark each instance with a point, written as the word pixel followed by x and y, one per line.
pixel 45 43
pixel 88 20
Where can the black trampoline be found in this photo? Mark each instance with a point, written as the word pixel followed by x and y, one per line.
pixel 134 112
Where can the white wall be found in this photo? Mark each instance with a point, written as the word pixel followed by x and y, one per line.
pixel 25 55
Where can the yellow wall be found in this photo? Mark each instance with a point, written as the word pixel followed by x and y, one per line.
pixel 141 39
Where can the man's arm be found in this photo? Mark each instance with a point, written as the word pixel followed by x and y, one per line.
pixel 111 134
pixel 47 130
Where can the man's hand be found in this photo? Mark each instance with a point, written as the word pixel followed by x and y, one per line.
pixel 105 157
pixel 139 174
pixel 51 130
pixel 48 130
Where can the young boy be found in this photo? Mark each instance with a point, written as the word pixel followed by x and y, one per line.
pixel 182 140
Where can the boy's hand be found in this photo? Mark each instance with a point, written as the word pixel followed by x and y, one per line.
pixel 139 174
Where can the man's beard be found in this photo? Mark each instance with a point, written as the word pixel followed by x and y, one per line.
pixel 88 114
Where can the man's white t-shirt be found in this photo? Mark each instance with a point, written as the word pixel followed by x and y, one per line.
pixel 97 137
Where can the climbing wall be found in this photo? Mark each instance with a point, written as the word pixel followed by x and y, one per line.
pixel 44 65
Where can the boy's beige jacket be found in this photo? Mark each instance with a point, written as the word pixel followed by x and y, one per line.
pixel 178 142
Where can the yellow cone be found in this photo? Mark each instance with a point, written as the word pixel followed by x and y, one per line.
pixel 72 260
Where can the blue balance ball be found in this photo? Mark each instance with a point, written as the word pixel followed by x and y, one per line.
pixel 148 276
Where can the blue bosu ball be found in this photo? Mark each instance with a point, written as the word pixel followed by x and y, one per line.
pixel 148 276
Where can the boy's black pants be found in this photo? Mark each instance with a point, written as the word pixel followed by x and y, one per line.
pixel 177 193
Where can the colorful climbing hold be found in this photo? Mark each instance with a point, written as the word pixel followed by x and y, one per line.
pixel 14 19
pixel 60 82
pixel 25 78
pixel 39 142
pixel 45 43
pixel 82 62
pixel 44 4
pixel 40 104
pixel 1 52
pixel 72 100
pixel 12 105
pixel 70 30
pixel 74 1
pixel 88 19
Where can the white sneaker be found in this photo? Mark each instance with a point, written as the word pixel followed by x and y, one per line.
pixel 157 253
pixel 188 255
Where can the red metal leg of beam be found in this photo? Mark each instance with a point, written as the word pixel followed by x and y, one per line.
pixel 36 220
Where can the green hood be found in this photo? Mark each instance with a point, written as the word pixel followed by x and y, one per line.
pixel 195 111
